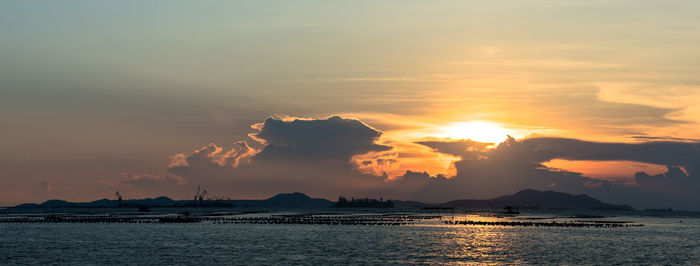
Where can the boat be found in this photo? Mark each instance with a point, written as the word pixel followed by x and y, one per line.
pixel 659 210
pixel 510 210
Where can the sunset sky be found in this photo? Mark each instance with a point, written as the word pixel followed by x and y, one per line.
pixel 393 99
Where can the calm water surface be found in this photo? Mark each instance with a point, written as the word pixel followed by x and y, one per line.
pixel 660 241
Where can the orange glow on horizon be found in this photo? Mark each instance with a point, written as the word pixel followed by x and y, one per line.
pixel 607 170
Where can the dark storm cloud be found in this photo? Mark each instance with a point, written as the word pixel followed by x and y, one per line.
pixel 411 175
pixel 685 154
pixel 674 181
pixel 334 138
pixel 515 165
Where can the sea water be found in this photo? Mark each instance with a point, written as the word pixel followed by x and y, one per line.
pixel 659 241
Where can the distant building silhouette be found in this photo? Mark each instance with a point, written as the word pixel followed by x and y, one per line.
pixel 363 203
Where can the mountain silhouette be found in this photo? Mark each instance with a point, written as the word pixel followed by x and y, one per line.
pixel 295 199
pixel 530 198
pixel 525 199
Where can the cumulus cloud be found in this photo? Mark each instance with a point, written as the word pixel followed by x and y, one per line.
pixel 311 155
pixel 334 138
pixel 674 180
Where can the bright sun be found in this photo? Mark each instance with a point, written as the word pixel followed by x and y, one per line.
pixel 480 131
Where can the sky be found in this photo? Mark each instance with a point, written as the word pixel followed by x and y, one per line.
pixel 423 100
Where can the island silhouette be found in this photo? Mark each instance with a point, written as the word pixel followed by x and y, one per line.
pixel 525 199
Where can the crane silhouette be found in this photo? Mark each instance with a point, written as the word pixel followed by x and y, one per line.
pixel 196 196
pixel 119 198
pixel 199 196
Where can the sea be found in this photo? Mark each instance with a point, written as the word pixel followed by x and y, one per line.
pixel 667 240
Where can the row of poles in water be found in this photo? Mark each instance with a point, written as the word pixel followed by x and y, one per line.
pixel 282 219
pixel 599 224
pixel 396 219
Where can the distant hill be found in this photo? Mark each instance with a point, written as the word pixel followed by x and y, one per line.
pixel 409 204
pixel 524 199
pixel 295 199
pixel 289 200
pixel 537 199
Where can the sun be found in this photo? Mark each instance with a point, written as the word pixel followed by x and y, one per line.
pixel 481 131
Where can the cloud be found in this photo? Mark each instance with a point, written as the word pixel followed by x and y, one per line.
pixel 655 138
pixel 142 181
pixel 311 155
pixel 334 138
pixel 393 164
pixel 684 154
pixel 515 165
pixel 674 180
pixel 213 154
pixel 466 149
pixel 340 156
